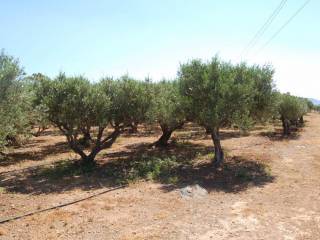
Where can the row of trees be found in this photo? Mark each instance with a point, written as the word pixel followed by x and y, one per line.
pixel 214 94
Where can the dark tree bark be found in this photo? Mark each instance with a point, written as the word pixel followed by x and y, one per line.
pixel 301 121
pixel 208 130
pixel 286 126
pixel 163 140
pixel 166 134
pixel 86 138
pixel 39 131
pixel 218 152
pixel 99 144
pixel 133 127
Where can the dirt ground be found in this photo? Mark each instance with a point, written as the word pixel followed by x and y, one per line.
pixel 269 188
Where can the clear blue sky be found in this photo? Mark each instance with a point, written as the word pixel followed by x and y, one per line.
pixel 151 37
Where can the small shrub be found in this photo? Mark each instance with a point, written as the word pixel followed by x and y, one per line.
pixel 153 168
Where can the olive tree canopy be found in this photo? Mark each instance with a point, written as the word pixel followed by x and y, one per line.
pixel 291 110
pixel 220 94
pixel 14 104
pixel 168 109
pixel 102 110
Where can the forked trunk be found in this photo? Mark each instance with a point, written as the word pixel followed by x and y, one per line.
pixel 39 131
pixel 218 152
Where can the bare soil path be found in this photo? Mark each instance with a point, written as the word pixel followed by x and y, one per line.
pixel 282 203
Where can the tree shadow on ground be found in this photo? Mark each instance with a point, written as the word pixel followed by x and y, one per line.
pixel 200 134
pixel 142 131
pixel 51 132
pixel 176 166
pixel 235 175
pixel 37 155
pixel 189 131
pixel 277 135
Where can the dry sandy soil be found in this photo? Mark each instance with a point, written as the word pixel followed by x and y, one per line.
pixel 269 188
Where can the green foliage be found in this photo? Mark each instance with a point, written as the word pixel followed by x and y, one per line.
pixel 14 104
pixel 221 94
pixel 73 103
pixel 310 104
pixel 38 86
pixel 77 106
pixel 292 108
pixel 152 168
pixel 130 99
pixel 214 94
pixel 264 95
pixel 167 106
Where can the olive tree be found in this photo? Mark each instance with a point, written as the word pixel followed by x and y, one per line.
pixel 167 110
pixel 291 110
pixel 219 94
pixel 101 110
pixel 37 88
pixel 130 100
pixel 14 104
pixel 73 103
pixel 264 95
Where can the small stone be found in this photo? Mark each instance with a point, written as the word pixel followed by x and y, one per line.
pixel 193 191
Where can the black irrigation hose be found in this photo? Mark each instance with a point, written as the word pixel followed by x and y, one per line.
pixel 60 205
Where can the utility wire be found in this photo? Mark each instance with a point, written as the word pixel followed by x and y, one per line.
pixel 263 29
pixel 284 25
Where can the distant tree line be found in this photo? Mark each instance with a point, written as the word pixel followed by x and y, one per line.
pixel 92 115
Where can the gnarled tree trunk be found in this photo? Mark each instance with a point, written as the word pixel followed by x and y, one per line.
pixel 166 134
pixel 218 152
pixel 39 131
pixel 99 144
pixel 163 140
pixel 286 126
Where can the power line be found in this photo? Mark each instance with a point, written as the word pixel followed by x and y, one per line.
pixel 264 27
pixel 284 25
